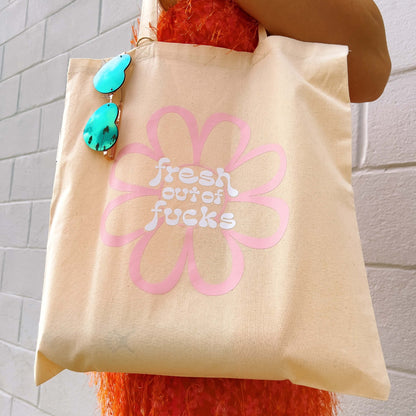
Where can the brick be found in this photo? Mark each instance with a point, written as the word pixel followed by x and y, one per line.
pixel 68 394
pixel 12 20
pixel 73 25
pixel 386 207
pixel 30 323
pixel 112 14
pixel 16 375
pixel 3 3
pixel 41 9
pixel 43 83
pixel 9 92
pixel 39 224
pixel 24 50
pixel 23 272
pixel 393 292
pixel 26 125
pixel 51 125
pixel 23 409
pixel 392 120
pixel 33 176
pixel 399 19
pixel 107 45
pixel 5 404
pixel 10 307
pixel 402 400
pixel 14 224
pixel 6 167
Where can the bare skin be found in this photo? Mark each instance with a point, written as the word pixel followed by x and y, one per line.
pixel 356 23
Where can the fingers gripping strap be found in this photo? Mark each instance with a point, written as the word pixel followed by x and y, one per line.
pixel 148 18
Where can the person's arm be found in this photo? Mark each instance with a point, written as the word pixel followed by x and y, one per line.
pixel 356 23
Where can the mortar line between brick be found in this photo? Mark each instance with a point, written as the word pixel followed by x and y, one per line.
pixel 12 295
pixel 100 11
pixel 38 398
pixel 29 224
pixel 123 22
pixel 363 134
pixel 18 93
pixel 70 51
pixel 39 127
pixel 2 61
pixel 401 372
pixel 27 68
pixel 28 201
pixel 37 248
pixel 22 249
pixel 20 321
pixel 2 270
pixel 17 346
pixel 27 13
pixel 12 405
pixel 48 16
pixel 30 404
pixel 4 392
pixel 11 179
pixel 390 266
pixel 44 39
pixel 35 152
pixel 42 104
pixel 24 201
pixel 34 64
pixel 24 297
pixel 401 71
pixel 359 134
pixel 398 167
pixel 33 108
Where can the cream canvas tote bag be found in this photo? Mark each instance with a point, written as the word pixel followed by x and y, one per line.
pixel 222 240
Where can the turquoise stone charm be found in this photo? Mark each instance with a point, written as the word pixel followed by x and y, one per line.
pixel 101 132
pixel 112 75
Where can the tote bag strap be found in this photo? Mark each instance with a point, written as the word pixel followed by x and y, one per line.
pixel 149 18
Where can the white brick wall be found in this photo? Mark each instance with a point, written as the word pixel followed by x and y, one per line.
pixel 384 181
pixel 37 37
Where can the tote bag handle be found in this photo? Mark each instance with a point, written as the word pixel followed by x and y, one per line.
pixel 149 18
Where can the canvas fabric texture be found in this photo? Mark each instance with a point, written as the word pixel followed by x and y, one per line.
pixel 222 241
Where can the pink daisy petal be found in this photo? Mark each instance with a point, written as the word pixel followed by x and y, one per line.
pixel 170 281
pixel 153 123
pixel 211 123
pixel 228 284
pixel 117 240
pixel 120 185
pixel 274 182
pixel 281 209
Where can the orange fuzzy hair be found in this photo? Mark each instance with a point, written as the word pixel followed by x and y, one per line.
pixel 220 23
pixel 121 394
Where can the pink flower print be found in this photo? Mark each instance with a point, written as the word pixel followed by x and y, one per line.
pixel 185 192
